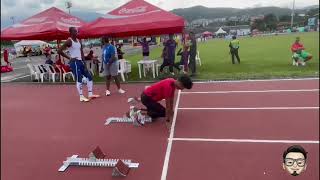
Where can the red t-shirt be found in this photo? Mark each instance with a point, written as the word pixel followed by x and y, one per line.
pixel 161 90
pixel 296 46
pixel 6 56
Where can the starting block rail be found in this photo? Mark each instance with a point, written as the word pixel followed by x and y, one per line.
pixel 76 161
pixel 125 120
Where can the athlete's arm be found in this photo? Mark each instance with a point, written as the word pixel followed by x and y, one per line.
pixel 67 44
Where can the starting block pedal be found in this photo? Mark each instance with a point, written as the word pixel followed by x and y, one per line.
pixel 121 169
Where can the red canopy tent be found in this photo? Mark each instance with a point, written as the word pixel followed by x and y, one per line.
pixel 136 18
pixel 51 24
pixel 207 33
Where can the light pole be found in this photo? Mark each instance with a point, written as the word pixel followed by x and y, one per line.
pixel 69 5
pixel 292 13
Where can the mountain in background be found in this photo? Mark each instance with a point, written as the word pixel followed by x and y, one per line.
pixel 201 12
pixel 190 14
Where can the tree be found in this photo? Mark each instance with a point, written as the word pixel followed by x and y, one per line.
pixel 258 24
pixel 285 18
pixel 271 22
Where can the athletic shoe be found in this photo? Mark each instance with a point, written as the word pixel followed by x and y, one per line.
pixel 84 99
pixel 94 96
pixel 133 101
pixel 121 91
pixel 303 63
pixel 108 93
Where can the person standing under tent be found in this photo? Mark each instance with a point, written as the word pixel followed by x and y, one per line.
pixel 77 65
pixel 111 65
pixel 145 48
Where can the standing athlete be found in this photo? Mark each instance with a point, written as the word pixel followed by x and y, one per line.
pixel 78 68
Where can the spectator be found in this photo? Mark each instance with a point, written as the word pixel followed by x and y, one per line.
pixel 184 57
pixel 119 51
pixel 193 53
pixel 61 64
pixel 297 45
pixel 145 48
pixel 6 56
pixel 300 57
pixel 111 65
pixel 49 60
pixel 169 55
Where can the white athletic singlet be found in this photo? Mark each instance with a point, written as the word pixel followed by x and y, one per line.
pixel 74 50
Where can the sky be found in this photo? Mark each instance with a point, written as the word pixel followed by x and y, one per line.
pixel 27 8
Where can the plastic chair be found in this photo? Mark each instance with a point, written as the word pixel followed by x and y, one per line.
pixel 124 68
pixel 42 71
pixel 33 72
pixel 51 72
pixel 65 73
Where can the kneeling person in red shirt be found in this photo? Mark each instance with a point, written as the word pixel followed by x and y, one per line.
pixel 164 89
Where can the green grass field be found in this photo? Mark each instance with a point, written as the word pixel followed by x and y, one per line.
pixel 261 57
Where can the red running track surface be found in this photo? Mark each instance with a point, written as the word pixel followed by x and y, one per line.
pixel 41 125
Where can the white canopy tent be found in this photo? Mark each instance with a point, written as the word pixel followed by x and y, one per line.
pixel 221 31
pixel 34 43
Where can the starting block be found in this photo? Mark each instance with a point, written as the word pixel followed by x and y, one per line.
pixel 76 161
pixel 125 120
pixel 121 166
pixel 135 116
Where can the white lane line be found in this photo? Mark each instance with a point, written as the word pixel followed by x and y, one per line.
pixel 169 146
pixel 245 140
pixel 9 80
pixel 260 91
pixel 257 80
pixel 252 108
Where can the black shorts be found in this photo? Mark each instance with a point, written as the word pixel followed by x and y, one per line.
pixel 145 54
pixel 155 109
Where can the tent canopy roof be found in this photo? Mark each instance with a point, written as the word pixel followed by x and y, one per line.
pixel 51 24
pixel 221 31
pixel 29 43
pixel 135 18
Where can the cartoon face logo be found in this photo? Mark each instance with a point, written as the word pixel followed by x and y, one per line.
pixel 295 160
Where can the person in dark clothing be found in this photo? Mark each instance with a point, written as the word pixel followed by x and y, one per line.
pixel 119 51
pixel 193 53
pixel 234 47
pixel 184 57
pixel 169 54
pixel 145 48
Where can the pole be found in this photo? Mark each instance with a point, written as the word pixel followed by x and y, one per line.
pixel 292 14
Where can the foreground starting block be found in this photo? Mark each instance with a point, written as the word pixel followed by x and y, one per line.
pixel 121 166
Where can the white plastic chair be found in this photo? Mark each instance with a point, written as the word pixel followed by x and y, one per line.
pixel 33 72
pixel 52 72
pixel 60 72
pixel 65 74
pixel 41 70
pixel 124 68
pixel 198 60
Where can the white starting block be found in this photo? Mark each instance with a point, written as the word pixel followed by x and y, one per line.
pixel 126 120
pixel 76 161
